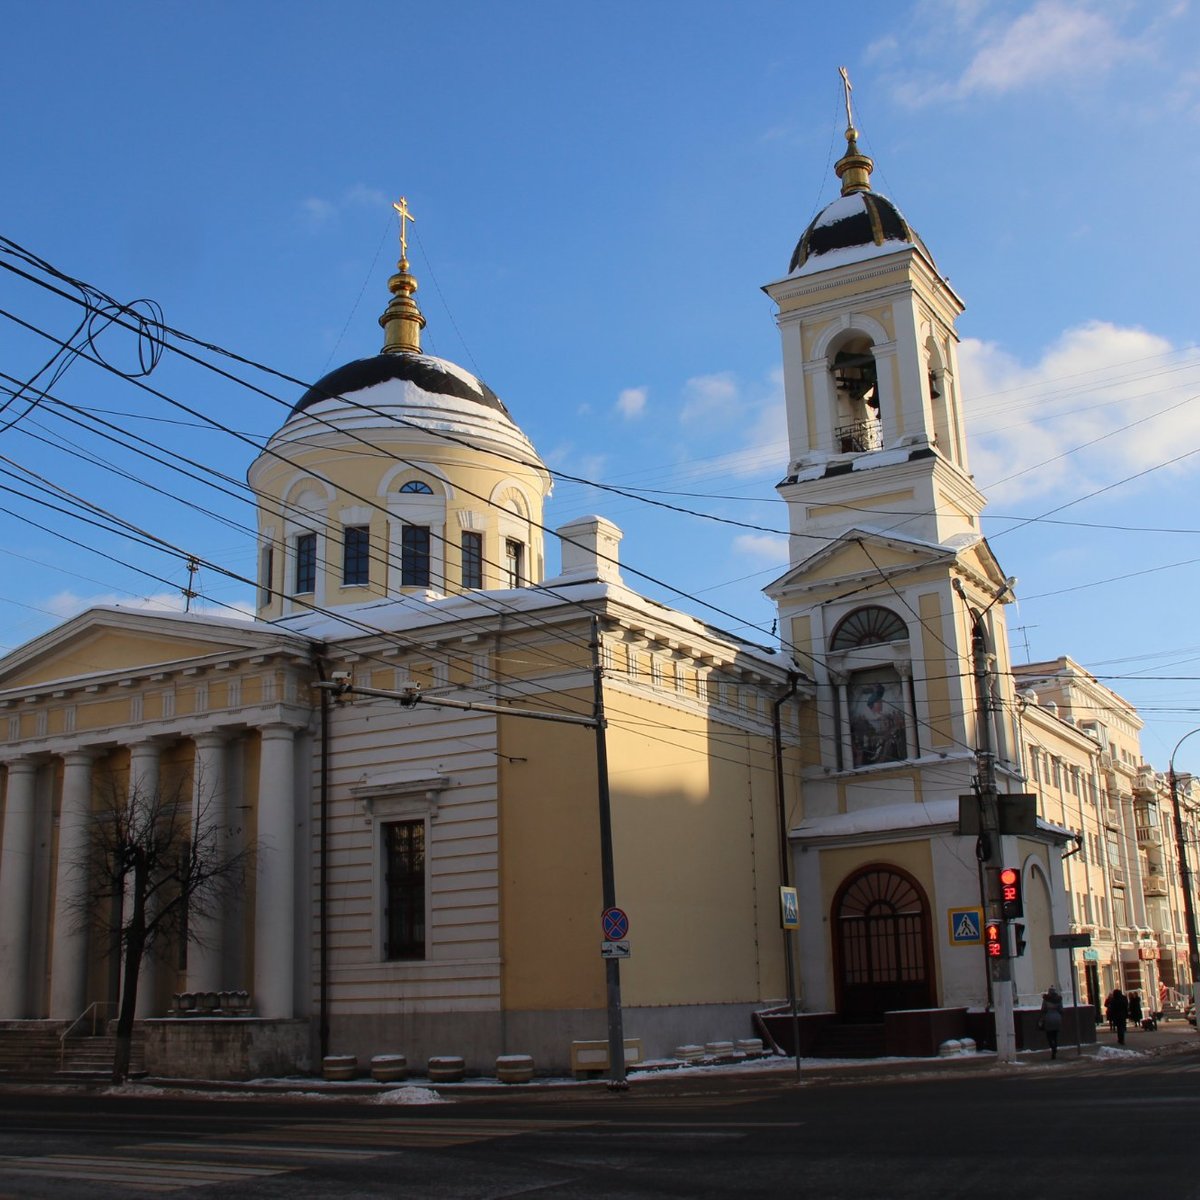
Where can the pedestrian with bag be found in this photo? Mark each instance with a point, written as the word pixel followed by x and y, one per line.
pixel 1050 1021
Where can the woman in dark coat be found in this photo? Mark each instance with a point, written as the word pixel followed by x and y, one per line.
pixel 1052 1016
pixel 1119 1012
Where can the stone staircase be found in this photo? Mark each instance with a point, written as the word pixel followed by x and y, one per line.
pixel 849 1041
pixel 34 1050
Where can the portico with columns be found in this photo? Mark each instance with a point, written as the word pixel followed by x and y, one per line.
pixel 221 709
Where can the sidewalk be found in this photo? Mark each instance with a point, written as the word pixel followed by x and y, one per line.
pixel 1170 1038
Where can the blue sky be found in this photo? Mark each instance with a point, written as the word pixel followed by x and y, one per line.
pixel 600 192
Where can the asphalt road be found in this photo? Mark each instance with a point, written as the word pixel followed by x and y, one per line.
pixel 1065 1129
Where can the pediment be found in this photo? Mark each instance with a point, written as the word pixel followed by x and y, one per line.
pixel 860 555
pixel 105 641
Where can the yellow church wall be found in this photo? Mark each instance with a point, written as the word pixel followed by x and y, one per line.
pixel 721 891
pixel 551 892
pixel 938 670
pixel 882 500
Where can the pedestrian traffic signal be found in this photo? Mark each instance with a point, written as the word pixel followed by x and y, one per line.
pixel 1010 893
pixel 994 939
pixel 1018 938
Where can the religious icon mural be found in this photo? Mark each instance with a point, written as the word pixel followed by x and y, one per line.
pixel 876 700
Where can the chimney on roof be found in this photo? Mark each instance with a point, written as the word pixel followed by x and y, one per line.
pixel 589 550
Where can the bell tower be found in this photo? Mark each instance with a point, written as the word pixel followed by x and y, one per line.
pixel 883 513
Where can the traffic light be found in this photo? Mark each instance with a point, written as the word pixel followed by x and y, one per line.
pixel 994 939
pixel 1018 938
pixel 1010 893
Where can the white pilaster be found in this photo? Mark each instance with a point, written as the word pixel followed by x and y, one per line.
pixel 68 952
pixel 16 883
pixel 274 905
pixel 209 822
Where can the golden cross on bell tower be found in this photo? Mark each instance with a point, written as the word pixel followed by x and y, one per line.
pixel 401 207
pixel 848 87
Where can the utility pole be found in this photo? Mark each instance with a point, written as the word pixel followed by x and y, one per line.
pixel 1185 876
pixel 988 846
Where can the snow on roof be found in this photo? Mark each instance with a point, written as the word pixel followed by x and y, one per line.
pixel 399 614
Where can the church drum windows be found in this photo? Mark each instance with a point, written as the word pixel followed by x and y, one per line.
pixel 306 563
pixel 514 562
pixel 356 556
pixel 414 556
pixel 472 559
pixel 404 889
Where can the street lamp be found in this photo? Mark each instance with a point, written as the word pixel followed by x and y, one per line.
pixel 1185 876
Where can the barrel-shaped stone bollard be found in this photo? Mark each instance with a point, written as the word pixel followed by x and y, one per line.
pixel 389 1068
pixel 339 1066
pixel 446 1068
pixel 514 1068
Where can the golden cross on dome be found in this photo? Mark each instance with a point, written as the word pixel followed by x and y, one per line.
pixel 401 207
pixel 848 87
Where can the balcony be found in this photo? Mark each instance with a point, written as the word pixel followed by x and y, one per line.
pixel 1154 885
pixel 858 436
pixel 1149 835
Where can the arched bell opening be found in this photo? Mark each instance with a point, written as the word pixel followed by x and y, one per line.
pixel 857 423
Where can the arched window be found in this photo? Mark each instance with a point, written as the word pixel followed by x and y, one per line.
pixel 870 626
pixel 417 485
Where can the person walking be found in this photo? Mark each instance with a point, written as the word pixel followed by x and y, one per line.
pixel 1052 1017
pixel 1119 1012
pixel 1135 1009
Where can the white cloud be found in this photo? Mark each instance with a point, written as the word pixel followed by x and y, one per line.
pixel 631 403
pixel 319 211
pixel 1102 402
pixel 764 547
pixel 710 398
pixel 1049 42
pixel 1051 39
pixel 67 604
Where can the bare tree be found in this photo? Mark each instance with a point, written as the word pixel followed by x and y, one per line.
pixel 157 863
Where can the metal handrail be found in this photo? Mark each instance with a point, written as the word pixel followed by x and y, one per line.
pixel 95 1011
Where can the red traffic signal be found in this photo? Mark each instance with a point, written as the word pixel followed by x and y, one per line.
pixel 994 939
pixel 1010 893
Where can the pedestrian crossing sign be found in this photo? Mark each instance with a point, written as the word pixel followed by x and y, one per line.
pixel 966 926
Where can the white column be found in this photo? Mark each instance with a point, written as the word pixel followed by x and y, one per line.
pixel 210 824
pixel 16 883
pixel 68 952
pixel 143 786
pixel 274 903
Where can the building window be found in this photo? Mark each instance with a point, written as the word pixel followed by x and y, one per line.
pixel 1033 765
pixel 514 562
pixel 356 555
pixel 417 486
pixel 472 559
pixel 872 626
pixel 414 556
pixel 306 563
pixel 404 889
pixel 266 576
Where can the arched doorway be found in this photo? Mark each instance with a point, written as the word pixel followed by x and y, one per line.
pixel 883 952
